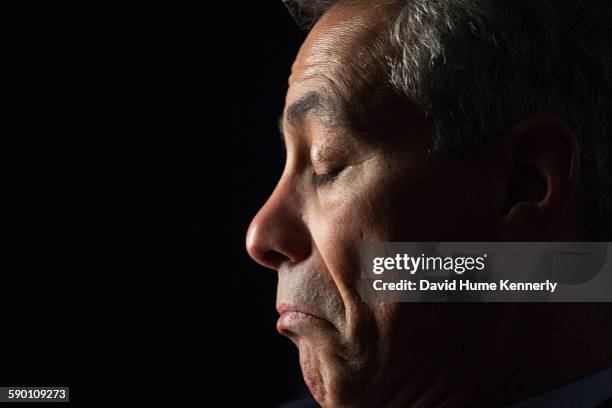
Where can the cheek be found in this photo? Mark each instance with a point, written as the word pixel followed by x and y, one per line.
pixel 347 218
pixel 359 207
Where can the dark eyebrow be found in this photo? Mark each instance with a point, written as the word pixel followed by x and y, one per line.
pixel 325 108
pixel 299 109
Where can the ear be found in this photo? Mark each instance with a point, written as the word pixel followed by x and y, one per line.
pixel 542 159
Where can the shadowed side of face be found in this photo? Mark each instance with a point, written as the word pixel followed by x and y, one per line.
pixel 344 184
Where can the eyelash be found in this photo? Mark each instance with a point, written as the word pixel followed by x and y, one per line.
pixel 322 179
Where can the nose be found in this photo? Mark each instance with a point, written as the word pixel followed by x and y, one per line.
pixel 278 234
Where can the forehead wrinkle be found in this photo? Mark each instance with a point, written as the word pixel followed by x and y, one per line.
pixel 345 56
pixel 349 55
pixel 330 55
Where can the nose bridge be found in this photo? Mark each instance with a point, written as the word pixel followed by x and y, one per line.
pixel 278 232
pixel 284 199
pixel 282 202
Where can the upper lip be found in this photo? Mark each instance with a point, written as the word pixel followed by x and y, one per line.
pixel 282 308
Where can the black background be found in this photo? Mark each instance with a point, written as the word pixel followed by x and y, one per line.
pixel 138 142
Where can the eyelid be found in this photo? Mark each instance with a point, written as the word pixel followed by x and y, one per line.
pixel 328 151
pixel 321 179
pixel 329 158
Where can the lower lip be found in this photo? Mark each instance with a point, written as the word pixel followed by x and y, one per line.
pixel 290 321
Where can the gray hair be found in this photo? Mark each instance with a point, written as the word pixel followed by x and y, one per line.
pixel 477 67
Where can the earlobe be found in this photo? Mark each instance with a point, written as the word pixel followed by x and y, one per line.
pixel 543 158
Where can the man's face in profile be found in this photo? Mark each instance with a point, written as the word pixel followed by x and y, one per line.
pixel 343 185
pixel 339 189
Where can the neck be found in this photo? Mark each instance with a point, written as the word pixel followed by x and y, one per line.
pixel 535 354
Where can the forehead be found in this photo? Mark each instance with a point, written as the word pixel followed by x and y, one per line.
pixel 338 53
pixel 328 43
pixel 343 60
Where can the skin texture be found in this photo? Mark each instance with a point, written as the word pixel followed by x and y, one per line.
pixel 343 185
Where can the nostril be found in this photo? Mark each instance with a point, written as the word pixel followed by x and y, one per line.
pixel 274 258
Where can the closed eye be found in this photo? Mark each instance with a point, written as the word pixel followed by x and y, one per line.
pixel 322 179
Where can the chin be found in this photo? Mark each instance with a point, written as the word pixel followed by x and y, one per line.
pixel 333 380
